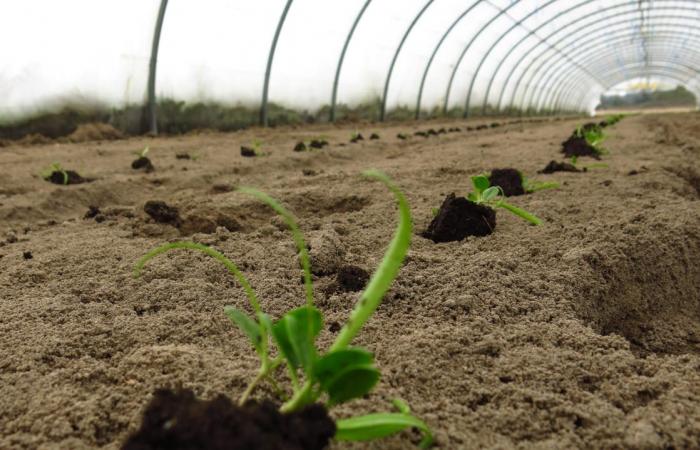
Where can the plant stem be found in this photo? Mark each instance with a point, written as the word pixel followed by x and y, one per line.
pixel 520 212
pixel 300 398
pixel 385 274
pixel 249 390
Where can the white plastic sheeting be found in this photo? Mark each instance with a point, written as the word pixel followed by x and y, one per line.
pixel 547 55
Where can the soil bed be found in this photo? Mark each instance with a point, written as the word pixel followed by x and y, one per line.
pixel 510 180
pixel 581 333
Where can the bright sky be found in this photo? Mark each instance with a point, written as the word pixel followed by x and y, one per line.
pixel 217 50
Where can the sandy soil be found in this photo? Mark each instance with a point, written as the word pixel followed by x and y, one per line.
pixel 581 333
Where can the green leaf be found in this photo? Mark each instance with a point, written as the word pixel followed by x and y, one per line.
pixel 353 382
pixel 481 183
pixel 375 426
pixel 346 374
pixel 330 364
pixel 473 197
pixel 295 334
pixel 386 272
pixel 247 325
pixel 490 194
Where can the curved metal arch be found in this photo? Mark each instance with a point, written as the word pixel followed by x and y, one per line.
pixel 555 70
pixel 334 95
pixel 268 69
pixel 382 112
pixel 559 70
pixel 644 70
pixel 483 28
pixel 562 29
pixel 691 70
pixel 551 69
pixel 690 55
pixel 546 39
pixel 435 50
pixel 515 25
pixel 153 120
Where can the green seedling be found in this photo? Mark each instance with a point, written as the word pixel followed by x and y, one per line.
pixel 485 194
pixel 143 153
pixel 574 161
pixel 341 373
pixel 531 186
pixel 257 145
pixel 594 136
pixel 54 167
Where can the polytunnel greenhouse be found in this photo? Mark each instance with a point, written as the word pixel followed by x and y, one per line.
pixel 357 224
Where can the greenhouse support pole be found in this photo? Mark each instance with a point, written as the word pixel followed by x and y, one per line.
pixel 152 119
pixel 334 95
pixel 419 99
pixel 268 69
pixel 382 113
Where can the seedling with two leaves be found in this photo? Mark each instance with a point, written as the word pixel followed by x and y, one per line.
pixel 485 194
pixel 55 168
pixel 341 373
pixel 594 136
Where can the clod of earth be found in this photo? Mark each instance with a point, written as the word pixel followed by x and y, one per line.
pixel 183 156
pixel 351 278
pixel 163 213
pixel 247 152
pixel 402 136
pixel 555 166
pixel 27 255
pixel 481 127
pixel 458 218
pixel 357 137
pixel 64 177
pixel 421 134
pixel 373 137
pixel 432 132
pixel 143 163
pixel 94 212
pixel 177 420
pixel 578 146
pixel 318 143
pixel 510 181
pixel 300 147
pixel 495 125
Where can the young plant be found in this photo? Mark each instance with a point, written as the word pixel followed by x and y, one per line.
pixel 493 196
pixel 531 186
pixel 594 136
pixel 343 372
pixel 574 161
pixel 54 167
pixel 257 145
pixel 143 153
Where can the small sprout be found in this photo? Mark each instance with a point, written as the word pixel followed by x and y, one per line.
pixel 492 196
pixel 253 150
pixel 356 136
pixel 594 136
pixel 574 161
pixel 144 152
pixel 47 174
pixel 343 372
pixel 531 186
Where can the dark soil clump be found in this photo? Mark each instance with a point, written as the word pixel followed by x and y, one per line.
pixel 555 166
pixel 510 180
pixel 402 136
pixel 247 152
pixel 318 143
pixel 373 137
pixel 300 147
pixel 179 421
pixel 143 163
pixel 351 278
pixel 185 156
pixel 578 146
pixel 459 218
pixel 357 138
pixel 66 177
pixel 27 255
pixel 163 213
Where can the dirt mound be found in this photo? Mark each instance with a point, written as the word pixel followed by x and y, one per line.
pixel 96 131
